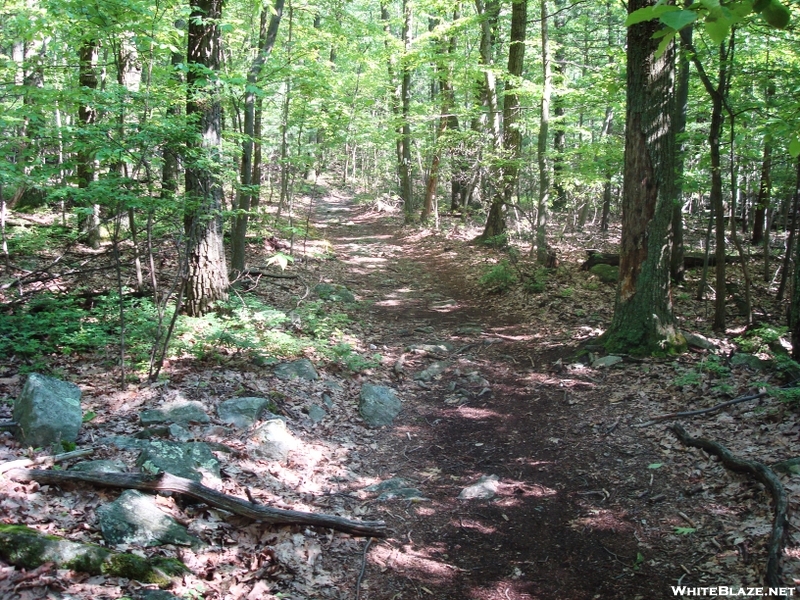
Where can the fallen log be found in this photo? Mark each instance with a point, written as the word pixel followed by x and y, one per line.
pixel 690 261
pixel 166 482
pixel 766 476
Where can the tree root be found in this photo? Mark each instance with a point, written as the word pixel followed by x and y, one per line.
pixel 704 411
pixel 763 474
pixel 166 482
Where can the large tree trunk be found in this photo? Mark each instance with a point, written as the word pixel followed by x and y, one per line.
pixel 207 275
pixel 542 252
pixel 248 188
pixel 643 322
pixel 512 136
pixel 765 187
pixel 406 184
pixel 560 135
pixel 676 261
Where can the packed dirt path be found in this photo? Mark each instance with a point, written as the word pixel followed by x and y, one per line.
pixel 576 512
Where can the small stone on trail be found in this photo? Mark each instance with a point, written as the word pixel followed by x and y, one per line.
pixel 485 488
pixel 379 405
pixel 297 369
pixel 182 412
pixel 432 371
pixel 606 361
pixel 242 412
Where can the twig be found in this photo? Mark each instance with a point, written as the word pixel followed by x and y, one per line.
pixel 363 568
pixel 766 476
pixel 704 411
pixel 45 460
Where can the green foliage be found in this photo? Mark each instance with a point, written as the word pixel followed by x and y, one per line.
pixel 351 361
pixel 687 379
pixel 497 242
pixel 760 338
pixel 714 366
pixel 499 278
pixel 537 283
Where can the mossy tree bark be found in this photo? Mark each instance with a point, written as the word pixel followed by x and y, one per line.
pixel 643 322
pixel 207 274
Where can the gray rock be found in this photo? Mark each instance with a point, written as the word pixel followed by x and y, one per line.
pixel 379 405
pixel 432 347
pixel 432 371
pixel 190 460
pixel 183 412
pixel 48 411
pixel 698 341
pixel 134 518
pixel 485 488
pixel 123 442
pixel 297 369
pixel 395 483
pixel 316 413
pixel 242 412
pixel 469 329
pixel 606 361
pixel 327 400
pixel 334 293
pixel 154 595
pixel 274 440
pixel 742 359
pixel 100 466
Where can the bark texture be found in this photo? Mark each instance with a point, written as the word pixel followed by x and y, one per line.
pixel 643 322
pixel 207 274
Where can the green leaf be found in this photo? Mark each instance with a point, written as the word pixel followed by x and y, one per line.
pixel 679 19
pixel 794 147
pixel 655 466
pixel 718 29
pixel 88 416
pixel 664 43
pixel 685 530
pixel 648 13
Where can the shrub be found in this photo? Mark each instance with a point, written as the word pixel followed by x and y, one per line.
pixel 499 278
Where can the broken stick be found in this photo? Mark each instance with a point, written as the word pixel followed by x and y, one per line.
pixel 166 482
pixel 766 476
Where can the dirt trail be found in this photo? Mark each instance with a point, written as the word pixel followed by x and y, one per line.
pixel 571 517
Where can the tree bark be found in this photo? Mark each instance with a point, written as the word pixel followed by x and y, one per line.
pixel 406 184
pixel 207 275
pixel 512 136
pixel 87 115
pixel 765 186
pixel 643 322
pixel 542 253
pixel 248 188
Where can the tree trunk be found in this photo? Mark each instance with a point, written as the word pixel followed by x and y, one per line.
pixel 559 136
pixel 248 188
pixel 87 115
pixel 765 186
pixel 794 321
pixel 406 185
pixel 207 275
pixel 643 322
pixel 682 101
pixel 542 251
pixel 512 136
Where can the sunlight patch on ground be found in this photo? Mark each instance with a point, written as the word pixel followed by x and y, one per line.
pixel 503 590
pixel 419 564
pixel 474 525
pixel 601 520
pixel 478 414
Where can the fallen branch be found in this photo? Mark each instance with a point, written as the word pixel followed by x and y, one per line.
pixel 44 460
pixel 692 413
pixel 766 476
pixel 166 482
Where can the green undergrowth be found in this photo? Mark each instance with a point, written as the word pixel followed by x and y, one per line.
pixel 52 326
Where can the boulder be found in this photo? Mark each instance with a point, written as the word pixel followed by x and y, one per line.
pixel 484 489
pixel 296 369
pixel 190 460
pixel 48 411
pixel 242 412
pixel 274 440
pixel 379 405
pixel 134 518
pixel 182 412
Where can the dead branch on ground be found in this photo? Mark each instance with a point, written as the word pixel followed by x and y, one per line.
pixel 166 482
pixel 763 474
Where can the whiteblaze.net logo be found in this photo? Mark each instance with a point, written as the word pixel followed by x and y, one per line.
pixel 733 592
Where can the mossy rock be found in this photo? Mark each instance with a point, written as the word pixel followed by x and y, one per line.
pixel 28 549
pixel 606 273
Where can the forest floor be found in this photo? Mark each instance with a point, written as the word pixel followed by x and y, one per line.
pixel 587 503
